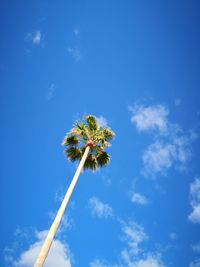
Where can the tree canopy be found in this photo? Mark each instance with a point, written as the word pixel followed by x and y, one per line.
pixel 88 133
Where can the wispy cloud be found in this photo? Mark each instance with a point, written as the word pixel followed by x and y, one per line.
pixel 195 263
pixel 76 31
pixel 134 235
pixel 196 247
pixel 171 146
pixel 138 198
pixel 133 254
pixel 51 92
pixel 164 153
pixel 98 263
pixel 149 118
pixel 74 52
pixel 195 201
pixel 173 236
pixel 158 158
pixel 106 180
pixel 35 37
pixel 102 121
pixel 21 239
pixel 100 209
pixel 177 102
pixel 150 260
pixel 59 254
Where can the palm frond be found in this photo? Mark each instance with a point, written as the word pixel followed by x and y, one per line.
pixel 96 149
pixel 101 141
pixel 91 163
pixel 108 134
pixel 88 133
pixel 73 153
pixel 92 122
pixel 71 140
pixel 103 136
pixel 103 159
pixel 80 130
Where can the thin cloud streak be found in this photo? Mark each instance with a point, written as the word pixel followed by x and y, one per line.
pixel 138 198
pixel 76 32
pixel 75 53
pixel 35 38
pixel 100 209
pixel 102 121
pixel 195 201
pixel 51 92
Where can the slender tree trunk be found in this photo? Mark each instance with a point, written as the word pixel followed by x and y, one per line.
pixel 49 239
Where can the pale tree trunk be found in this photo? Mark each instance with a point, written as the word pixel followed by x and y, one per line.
pixel 49 239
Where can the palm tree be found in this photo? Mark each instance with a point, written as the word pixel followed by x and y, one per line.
pixel 84 143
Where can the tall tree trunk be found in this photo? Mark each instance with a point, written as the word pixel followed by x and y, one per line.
pixel 49 239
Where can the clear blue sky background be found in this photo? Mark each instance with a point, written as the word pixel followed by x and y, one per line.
pixel 135 65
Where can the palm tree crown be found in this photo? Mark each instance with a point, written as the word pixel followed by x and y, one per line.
pixel 88 133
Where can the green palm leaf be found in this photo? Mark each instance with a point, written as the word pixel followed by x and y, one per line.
pixel 71 140
pixel 92 123
pixel 103 159
pixel 73 153
pixel 91 163
pixel 108 134
pixel 88 133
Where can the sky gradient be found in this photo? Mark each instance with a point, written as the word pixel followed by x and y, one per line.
pixel 135 66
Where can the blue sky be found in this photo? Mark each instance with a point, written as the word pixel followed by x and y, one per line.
pixel 134 65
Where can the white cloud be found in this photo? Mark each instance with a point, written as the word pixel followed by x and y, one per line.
pixel 149 261
pixel 76 32
pixel 100 209
pixel 162 155
pixel 195 201
pixel 97 263
pixel 107 181
pixel 59 254
pixel 195 263
pixel 196 247
pixel 102 121
pixel 171 146
pixel 51 92
pixel 173 236
pixel 22 238
pixel 132 255
pixel 75 53
pixel 138 198
pixel 182 144
pixel 195 215
pixel 37 38
pixel 134 235
pixel 150 118
pixel 177 102
pixel 158 157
